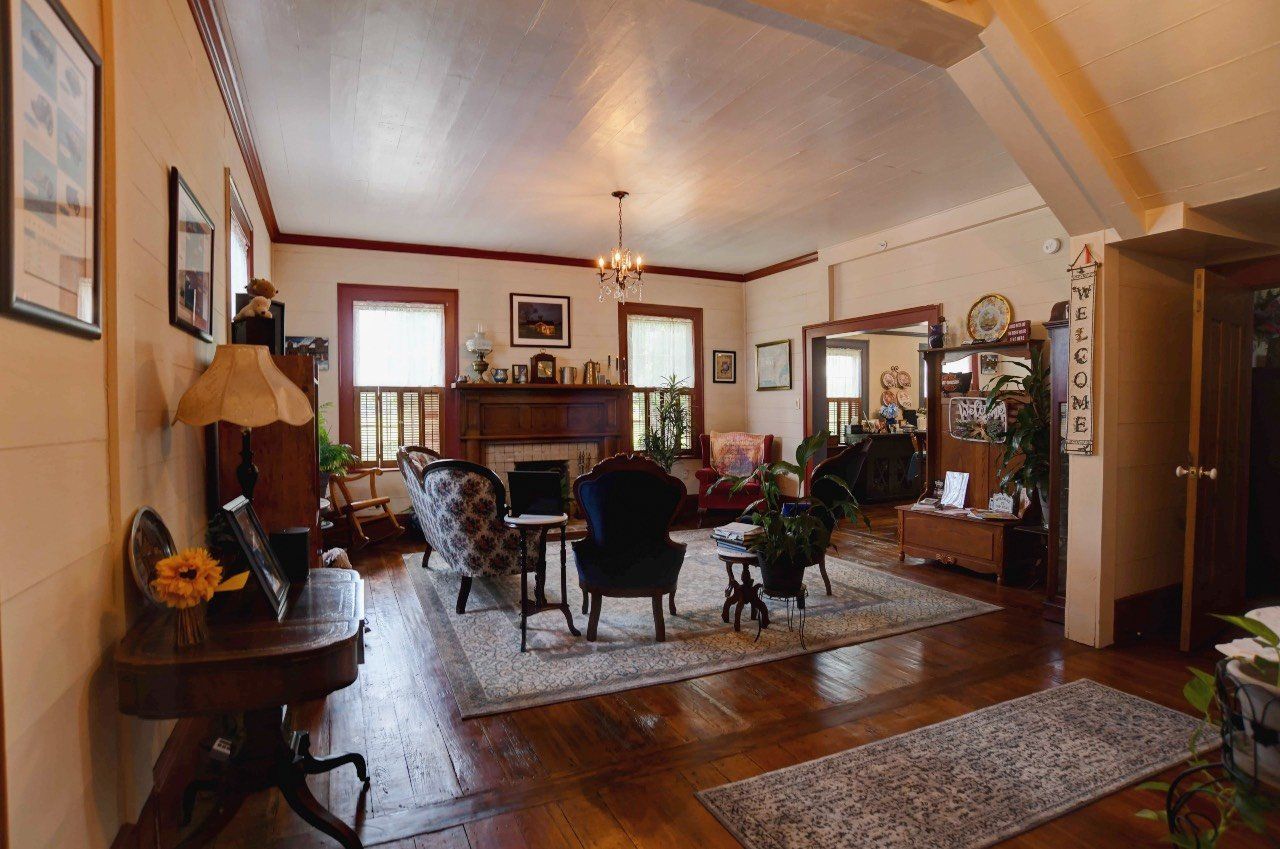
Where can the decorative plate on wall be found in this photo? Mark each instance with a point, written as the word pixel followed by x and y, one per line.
pixel 903 377
pixel 149 543
pixel 887 380
pixel 989 318
pixel 888 398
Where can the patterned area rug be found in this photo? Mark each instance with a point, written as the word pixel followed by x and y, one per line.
pixel 488 674
pixel 965 783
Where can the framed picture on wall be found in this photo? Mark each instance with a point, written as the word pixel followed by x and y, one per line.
pixel 190 261
pixel 988 363
pixel 51 150
pixel 540 321
pixel 724 366
pixel 773 365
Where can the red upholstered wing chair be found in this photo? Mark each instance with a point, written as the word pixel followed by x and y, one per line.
pixel 720 497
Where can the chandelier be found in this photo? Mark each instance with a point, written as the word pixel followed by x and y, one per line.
pixel 620 277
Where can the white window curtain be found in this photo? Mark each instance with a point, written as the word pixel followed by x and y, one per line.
pixel 398 344
pixel 844 373
pixel 658 347
pixel 239 268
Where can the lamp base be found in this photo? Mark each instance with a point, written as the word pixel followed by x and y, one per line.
pixel 246 472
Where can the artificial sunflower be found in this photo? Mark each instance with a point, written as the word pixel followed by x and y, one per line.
pixel 187 579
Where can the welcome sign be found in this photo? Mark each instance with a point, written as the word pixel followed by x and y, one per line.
pixel 1078 438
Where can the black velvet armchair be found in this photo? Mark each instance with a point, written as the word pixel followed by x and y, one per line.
pixel 629 502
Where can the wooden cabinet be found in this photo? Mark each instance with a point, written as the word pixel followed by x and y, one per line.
pixel 287 456
pixel 955 539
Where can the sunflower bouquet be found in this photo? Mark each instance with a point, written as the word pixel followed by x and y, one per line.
pixel 185 582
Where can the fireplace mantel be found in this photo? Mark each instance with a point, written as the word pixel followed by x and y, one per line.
pixel 543 412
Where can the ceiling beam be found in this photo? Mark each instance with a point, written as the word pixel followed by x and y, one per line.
pixel 934 31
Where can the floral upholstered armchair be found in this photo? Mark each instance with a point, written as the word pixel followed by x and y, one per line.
pixel 460 506
pixel 730 454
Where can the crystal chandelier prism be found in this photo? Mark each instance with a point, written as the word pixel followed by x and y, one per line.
pixel 620 275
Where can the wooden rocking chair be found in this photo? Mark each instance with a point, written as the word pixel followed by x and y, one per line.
pixel 360 513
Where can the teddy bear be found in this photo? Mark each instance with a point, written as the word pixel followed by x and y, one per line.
pixel 260 305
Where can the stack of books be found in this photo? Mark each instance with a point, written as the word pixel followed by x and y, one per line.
pixel 737 536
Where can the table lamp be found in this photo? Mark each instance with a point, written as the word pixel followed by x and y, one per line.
pixel 242 386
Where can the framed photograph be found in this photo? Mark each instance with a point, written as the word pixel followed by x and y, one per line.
pixel 190 261
pixel 255 548
pixel 773 365
pixel 988 363
pixel 315 346
pixel 724 366
pixel 520 373
pixel 51 188
pixel 540 321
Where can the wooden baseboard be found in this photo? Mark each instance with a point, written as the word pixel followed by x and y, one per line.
pixel 1155 611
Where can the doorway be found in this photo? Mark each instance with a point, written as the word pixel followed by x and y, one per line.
pixel 1232 471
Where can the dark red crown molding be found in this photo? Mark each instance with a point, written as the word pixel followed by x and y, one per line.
pixel 785 265
pixel 218 47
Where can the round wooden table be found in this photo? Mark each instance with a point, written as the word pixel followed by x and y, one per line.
pixel 534 522
pixel 741 592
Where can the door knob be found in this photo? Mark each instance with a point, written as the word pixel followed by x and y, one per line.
pixel 1211 474
pixel 1183 471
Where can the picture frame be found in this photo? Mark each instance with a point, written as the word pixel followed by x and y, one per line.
pixel 312 346
pixel 724 366
pixel 541 321
pixel 191 253
pixel 773 365
pixel 520 373
pixel 255 549
pixel 988 363
pixel 50 170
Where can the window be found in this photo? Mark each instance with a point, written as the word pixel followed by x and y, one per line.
pixel 845 401
pixel 657 342
pixel 398 346
pixel 239 248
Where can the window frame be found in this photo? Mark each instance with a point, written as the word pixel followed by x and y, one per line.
pixel 237 215
pixel 694 314
pixel 348 295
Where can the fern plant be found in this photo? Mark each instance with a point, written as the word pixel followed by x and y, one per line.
pixel 1024 460
pixel 670 424
pixel 335 458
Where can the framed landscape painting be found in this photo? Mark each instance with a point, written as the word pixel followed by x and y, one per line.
pixel 51 153
pixel 190 261
pixel 540 321
pixel 773 365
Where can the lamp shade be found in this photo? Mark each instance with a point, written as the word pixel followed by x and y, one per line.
pixel 243 386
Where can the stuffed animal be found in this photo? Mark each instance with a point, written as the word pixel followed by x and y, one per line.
pixel 260 305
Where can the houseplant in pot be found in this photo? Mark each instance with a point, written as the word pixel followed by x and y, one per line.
pixel 1024 461
pixel 664 440
pixel 796 531
pixel 335 457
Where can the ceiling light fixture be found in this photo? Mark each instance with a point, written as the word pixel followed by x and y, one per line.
pixel 620 277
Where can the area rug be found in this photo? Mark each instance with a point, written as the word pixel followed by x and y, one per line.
pixel 488 674
pixel 965 783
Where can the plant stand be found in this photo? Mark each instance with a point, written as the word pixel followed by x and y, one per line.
pixel 798 600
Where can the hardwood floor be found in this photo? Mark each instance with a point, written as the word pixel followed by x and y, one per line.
pixel 619 771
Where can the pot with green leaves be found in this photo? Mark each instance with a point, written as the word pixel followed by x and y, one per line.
pixel 796 531
pixel 335 458
pixel 1252 681
pixel 1024 460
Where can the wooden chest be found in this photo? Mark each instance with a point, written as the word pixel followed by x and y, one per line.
pixel 954 538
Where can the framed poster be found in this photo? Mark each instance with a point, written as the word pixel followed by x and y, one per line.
pixel 724 366
pixel 51 181
pixel 540 321
pixel 773 365
pixel 314 346
pixel 190 261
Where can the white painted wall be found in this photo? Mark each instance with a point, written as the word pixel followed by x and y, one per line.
pixel 308 278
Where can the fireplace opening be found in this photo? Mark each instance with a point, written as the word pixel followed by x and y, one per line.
pixel 561 467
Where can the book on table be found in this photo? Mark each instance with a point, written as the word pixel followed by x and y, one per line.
pixel 737 535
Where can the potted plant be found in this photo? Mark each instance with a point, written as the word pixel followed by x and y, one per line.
pixel 335 458
pixel 1242 703
pixel 1024 461
pixel 664 439
pixel 796 531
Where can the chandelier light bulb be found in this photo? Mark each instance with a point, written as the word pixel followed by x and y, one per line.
pixel 622 279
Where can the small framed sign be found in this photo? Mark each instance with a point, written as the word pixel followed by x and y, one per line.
pixel 724 366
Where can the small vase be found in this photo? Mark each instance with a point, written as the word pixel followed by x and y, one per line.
pixel 192 627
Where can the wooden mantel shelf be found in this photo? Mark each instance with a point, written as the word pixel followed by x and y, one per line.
pixel 541 387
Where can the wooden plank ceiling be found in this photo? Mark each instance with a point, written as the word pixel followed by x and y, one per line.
pixel 745 136
pixel 1185 94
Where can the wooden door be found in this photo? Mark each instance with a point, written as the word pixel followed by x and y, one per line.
pixel 1217 472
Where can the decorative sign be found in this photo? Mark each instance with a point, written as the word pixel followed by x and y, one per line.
pixel 969 421
pixel 950 382
pixel 1019 331
pixel 1084 291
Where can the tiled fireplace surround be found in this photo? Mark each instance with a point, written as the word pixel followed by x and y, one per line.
pixel 503 456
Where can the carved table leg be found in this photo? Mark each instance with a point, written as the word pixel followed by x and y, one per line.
pixel 229 801
pixel 311 765
pixel 293 786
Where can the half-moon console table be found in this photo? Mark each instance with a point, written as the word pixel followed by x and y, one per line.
pixel 252 665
